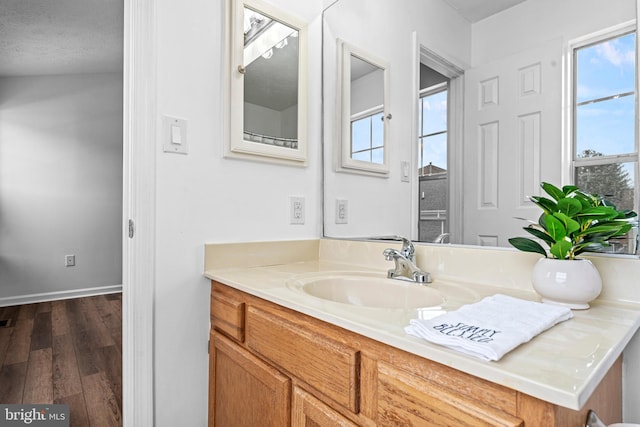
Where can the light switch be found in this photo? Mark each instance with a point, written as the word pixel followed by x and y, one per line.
pixel 405 171
pixel 175 135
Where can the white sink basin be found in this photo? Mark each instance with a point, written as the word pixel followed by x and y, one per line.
pixel 371 291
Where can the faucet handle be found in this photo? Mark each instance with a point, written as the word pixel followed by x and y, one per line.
pixel 408 250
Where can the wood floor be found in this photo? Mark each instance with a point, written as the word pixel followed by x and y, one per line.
pixel 67 352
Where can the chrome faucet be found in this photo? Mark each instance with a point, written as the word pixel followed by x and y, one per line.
pixel 405 259
pixel 441 238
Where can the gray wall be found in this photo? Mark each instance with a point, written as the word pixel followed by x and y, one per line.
pixel 60 184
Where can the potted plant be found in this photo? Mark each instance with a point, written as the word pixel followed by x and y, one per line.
pixel 572 222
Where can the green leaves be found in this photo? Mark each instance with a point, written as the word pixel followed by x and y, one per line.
pixel 553 191
pixel 547 205
pixel 554 227
pixel 527 245
pixel 569 207
pixel 572 221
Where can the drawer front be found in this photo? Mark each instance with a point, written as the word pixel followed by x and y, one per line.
pixel 330 367
pixel 227 316
pixel 404 399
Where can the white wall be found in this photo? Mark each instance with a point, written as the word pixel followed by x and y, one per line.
pixel 266 121
pixel 382 206
pixel 262 120
pixel 367 92
pixel 60 184
pixel 202 197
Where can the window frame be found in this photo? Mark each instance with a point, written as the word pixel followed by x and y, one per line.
pixel 368 114
pixel 591 40
pixel 570 152
pixel 428 91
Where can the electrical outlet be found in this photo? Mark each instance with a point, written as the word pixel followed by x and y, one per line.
pixel 342 212
pixel 296 205
pixel 69 260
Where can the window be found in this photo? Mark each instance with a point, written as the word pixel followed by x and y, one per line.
pixel 605 160
pixel 367 136
pixel 432 163
pixel 432 132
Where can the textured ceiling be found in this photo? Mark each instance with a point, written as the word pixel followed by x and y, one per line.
pixel 39 37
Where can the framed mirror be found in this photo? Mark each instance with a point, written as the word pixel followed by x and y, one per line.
pixel 511 72
pixel 363 116
pixel 267 70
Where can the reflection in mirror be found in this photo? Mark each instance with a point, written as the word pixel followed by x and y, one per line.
pixel 270 104
pixel 522 124
pixel 362 135
pixel 367 105
pixel 433 190
pixel 268 83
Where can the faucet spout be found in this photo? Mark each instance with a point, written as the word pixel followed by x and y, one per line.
pixel 405 267
pixel 441 238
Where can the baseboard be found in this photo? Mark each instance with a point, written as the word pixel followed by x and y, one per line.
pixel 52 296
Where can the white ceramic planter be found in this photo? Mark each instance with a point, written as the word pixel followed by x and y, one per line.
pixel 571 283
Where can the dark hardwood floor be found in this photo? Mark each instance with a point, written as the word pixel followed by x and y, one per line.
pixel 67 352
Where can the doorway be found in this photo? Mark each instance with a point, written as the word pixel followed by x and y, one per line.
pixel 433 188
pixel 63 85
pixel 439 167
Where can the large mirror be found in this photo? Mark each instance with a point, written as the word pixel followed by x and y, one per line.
pixel 267 70
pixel 510 80
pixel 361 136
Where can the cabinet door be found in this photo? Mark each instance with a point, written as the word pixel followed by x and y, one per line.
pixel 311 412
pixel 243 390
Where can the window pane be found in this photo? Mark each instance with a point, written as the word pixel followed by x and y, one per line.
pixel 434 113
pixel 377 156
pixel 615 182
pixel 606 127
pixel 363 156
pixel 434 152
pixel 361 134
pixel 606 68
pixel 377 131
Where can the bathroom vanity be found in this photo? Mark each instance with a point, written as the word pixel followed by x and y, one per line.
pixel 280 356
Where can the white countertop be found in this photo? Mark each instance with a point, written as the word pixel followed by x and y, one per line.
pixel 563 365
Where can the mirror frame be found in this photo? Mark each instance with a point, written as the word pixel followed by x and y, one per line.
pixel 235 145
pixel 343 160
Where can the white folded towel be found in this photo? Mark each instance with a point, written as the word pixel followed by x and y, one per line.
pixel 490 328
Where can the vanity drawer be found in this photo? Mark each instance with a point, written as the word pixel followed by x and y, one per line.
pixel 330 367
pixel 227 313
pixel 403 398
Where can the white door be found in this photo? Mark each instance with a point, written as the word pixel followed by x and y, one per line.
pixel 513 141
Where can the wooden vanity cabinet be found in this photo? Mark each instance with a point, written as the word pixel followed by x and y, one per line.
pixel 271 366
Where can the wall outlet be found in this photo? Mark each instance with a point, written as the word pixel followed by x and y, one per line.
pixel 69 260
pixel 342 212
pixel 296 210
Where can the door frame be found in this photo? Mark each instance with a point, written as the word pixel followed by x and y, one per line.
pixel 139 164
pixel 455 135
